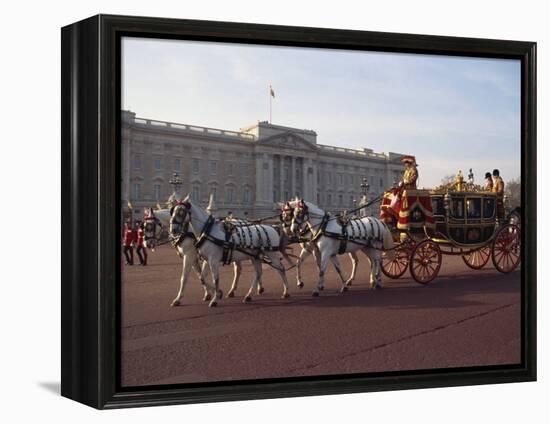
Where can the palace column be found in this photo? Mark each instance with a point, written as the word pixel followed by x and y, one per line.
pixel 270 179
pixel 281 178
pixel 306 187
pixel 292 176
pixel 259 179
pixel 313 179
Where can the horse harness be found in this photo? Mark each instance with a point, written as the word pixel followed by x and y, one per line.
pixel 229 245
pixel 344 236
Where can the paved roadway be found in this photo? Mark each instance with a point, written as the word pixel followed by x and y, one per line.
pixel 463 318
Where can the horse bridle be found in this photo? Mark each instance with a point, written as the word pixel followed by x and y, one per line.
pixel 179 217
pixel 150 227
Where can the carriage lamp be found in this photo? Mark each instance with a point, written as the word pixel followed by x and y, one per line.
pixel 447 202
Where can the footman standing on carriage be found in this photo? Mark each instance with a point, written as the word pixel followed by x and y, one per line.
pixel 488 182
pixel 498 188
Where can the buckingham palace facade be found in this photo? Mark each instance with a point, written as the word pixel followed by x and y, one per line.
pixel 247 171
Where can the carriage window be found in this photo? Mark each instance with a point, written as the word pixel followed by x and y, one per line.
pixel 473 208
pixel 437 206
pixel 488 208
pixel 457 208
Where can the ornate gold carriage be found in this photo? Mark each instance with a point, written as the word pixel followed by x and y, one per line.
pixel 429 224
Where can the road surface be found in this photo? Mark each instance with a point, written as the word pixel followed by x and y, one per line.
pixel 463 318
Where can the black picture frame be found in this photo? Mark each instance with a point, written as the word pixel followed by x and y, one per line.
pixel 90 177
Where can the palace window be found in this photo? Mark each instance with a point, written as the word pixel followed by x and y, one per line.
pixel 157 163
pixel 157 191
pixel 381 182
pixel 137 161
pixel 329 199
pixel 177 165
pixel 246 195
pixel 340 200
pixel 329 178
pixel 196 166
pixel 213 167
pixel 196 193
pixel 137 191
pixel 341 179
pixel 229 194
pixel 214 192
pixel 230 168
pixel 318 198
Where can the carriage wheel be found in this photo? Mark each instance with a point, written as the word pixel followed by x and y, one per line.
pixel 425 261
pixel 395 263
pixel 507 248
pixel 477 259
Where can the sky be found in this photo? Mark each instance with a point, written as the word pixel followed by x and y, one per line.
pixel 450 112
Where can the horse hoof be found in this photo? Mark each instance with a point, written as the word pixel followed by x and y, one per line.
pixel 220 294
pixel 322 288
pixel 300 284
pixel 348 283
pixel 175 303
pixel 378 287
pixel 247 299
pixel 343 289
pixel 285 296
pixel 260 290
pixel 231 294
pixel 206 298
pixel 315 294
pixel 213 304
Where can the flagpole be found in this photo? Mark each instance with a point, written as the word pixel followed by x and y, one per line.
pixel 270 100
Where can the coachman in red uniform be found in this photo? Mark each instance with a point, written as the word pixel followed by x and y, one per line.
pixel 141 250
pixel 128 243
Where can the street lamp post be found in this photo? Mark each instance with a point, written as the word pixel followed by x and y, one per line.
pixel 176 183
pixel 364 190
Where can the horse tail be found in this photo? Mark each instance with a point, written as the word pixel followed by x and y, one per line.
pixel 388 239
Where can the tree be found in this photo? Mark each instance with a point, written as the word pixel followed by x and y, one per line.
pixel 512 190
pixel 447 180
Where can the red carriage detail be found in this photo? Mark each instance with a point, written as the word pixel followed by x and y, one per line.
pixel 429 224
pixel 410 209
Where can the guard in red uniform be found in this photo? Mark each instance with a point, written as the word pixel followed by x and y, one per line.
pixel 141 250
pixel 128 243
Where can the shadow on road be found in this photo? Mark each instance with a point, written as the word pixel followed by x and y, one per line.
pixel 446 292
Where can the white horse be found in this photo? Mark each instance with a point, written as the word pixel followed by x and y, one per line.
pixel 184 244
pixel 252 242
pixel 331 238
pixel 154 222
pixel 308 247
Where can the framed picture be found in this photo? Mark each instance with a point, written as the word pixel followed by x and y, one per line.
pixel 255 211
